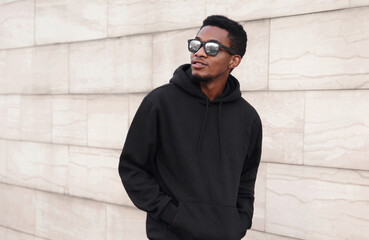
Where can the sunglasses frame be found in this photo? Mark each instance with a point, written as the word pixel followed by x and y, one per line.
pixel 229 50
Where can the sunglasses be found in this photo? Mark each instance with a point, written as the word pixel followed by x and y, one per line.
pixel 211 47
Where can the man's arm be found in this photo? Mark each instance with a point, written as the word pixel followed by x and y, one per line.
pixel 245 200
pixel 136 161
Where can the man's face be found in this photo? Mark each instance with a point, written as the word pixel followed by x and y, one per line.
pixel 208 67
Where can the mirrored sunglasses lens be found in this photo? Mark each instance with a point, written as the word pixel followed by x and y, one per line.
pixel 211 48
pixel 194 46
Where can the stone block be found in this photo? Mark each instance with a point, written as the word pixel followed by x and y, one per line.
pixel 93 174
pixel 240 10
pixel 252 73
pixel 337 129
pixel 282 115
pixel 16 23
pixel 169 52
pixel 10 234
pixel 134 102
pixel 3 157
pixel 37 165
pixel 134 17
pixel 317 203
pixel 10 116
pixel 125 223
pixel 320 51
pixel 69 21
pixel 35 118
pixel 118 65
pixel 64 217
pixel 69 124
pixel 255 235
pixel 24 71
pixel 107 120
pixel 258 221
pixel 17 208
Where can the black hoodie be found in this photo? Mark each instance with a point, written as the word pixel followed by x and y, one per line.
pixel 191 163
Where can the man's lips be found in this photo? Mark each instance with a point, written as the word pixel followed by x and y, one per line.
pixel 198 64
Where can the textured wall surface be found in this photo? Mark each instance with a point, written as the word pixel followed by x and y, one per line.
pixel 72 74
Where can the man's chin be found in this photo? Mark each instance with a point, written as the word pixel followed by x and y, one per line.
pixel 195 78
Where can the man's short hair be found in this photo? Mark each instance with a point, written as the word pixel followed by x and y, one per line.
pixel 236 34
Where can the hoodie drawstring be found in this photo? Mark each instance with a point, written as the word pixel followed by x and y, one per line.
pixel 203 125
pixel 220 134
pixel 220 130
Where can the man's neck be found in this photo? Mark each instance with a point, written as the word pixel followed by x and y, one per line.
pixel 212 89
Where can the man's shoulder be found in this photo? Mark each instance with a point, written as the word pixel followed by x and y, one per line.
pixel 247 108
pixel 163 91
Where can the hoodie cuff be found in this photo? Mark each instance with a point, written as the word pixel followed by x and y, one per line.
pixel 245 219
pixel 169 213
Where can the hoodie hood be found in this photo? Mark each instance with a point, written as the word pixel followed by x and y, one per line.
pixel 182 78
pixel 231 92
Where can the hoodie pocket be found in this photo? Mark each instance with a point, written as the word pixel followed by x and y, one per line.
pixel 208 222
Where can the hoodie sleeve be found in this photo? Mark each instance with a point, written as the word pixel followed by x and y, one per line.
pixel 136 165
pixel 245 200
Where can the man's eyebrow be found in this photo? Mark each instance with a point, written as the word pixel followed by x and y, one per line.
pixel 210 40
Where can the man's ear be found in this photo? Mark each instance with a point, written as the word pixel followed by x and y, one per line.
pixel 235 61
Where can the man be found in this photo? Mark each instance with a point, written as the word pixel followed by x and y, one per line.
pixel 193 149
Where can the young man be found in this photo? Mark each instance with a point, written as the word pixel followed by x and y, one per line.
pixel 193 149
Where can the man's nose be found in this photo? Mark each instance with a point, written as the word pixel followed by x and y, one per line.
pixel 201 52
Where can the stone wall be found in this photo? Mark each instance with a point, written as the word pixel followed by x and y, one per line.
pixel 72 74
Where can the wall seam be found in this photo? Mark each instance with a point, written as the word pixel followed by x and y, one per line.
pixel 68 68
pixel 119 149
pixel 192 27
pixel 303 130
pixel 20 231
pixel 67 195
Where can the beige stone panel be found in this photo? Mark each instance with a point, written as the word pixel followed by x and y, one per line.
pixel 282 115
pixel 69 21
pixel 134 102
pixel 337 129
pixel 16 23
pixel 37 165
pixel 35 118
pixel 17 208
pixel 252 73
pixel 169 52
pixel 10 116
pixel 3 157
pixel 113 66
pixel 10 234
pixel 64 217
pixel 320 51
pixel 357 3
pixel 317 203
pixel 93 174
pixel 125 223
pixel 240 10
pixel 69 124
pixel 255 235
pixel 258 221
pixel 3 117
pixel 107 121
pixel 24 70
pixel 128 17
